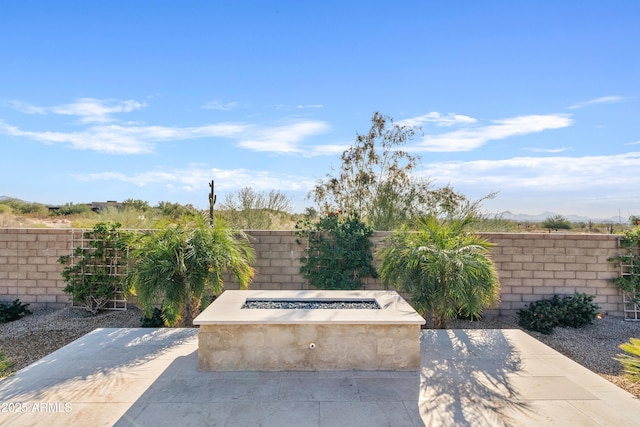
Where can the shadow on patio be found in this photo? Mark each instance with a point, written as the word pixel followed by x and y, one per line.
pixel 465 377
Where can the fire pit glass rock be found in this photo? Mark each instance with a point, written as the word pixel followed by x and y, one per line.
pixel 284 304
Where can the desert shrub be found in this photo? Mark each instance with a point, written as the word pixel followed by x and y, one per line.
pixel 338 253
pixel 13 311
pixel 544 315
pixel 540 316
pixel 5 364
pixel 631 360
pixel 176 210
pixel 20 207
pixel 72 209
pixel 577 311
pixel 556 222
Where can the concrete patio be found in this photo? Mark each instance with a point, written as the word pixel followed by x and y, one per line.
pixel 149 377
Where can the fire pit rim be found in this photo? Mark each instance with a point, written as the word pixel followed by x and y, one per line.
pixel 226 309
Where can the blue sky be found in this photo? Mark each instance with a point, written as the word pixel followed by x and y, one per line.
pixel 109 100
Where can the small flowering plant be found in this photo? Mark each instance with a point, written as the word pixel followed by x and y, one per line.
pixel 338 251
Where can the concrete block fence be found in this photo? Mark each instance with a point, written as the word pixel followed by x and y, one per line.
pixel 531 266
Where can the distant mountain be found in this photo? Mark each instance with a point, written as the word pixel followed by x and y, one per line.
pixel 2 198
pixel 544 215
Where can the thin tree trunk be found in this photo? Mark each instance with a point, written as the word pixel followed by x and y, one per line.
pixel 189 312
pixel 439 321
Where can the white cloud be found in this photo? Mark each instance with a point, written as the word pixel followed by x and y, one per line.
pixel 602 100
pixel 633 143
pixel 449 119
pixel 543 174
pixel 90 110
pixel 134 138
pixel 26 108
pixel 197 177
pixel 303 107
pixel 326 150
pixel 546 150
pixel 117 139
pixel 596 186
pixel 471 138
pixel 282 139
pixel 217 105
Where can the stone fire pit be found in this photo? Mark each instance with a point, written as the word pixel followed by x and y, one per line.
pixel 362 330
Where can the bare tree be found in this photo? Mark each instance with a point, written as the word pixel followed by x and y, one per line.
pixel 251 209
pixel 375 179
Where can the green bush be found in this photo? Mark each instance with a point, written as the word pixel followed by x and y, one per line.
pixel 338 254
pixel 544 315
pixel 154 321
pixel 631 360
pixel 541 316
pixel 577 311
pixel 13 311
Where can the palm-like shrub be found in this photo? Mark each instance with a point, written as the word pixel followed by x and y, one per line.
pixel 179 263
pixel 631 360
pixel 446 271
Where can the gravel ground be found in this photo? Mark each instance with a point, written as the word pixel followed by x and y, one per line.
pixel 36 335
pixel 594 346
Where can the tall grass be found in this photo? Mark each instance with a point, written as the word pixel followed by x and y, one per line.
pixel 130 218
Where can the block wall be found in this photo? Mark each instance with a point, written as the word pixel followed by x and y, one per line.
pixel 277 261
pixel 536 266
pixel 531 266
pixel 29 268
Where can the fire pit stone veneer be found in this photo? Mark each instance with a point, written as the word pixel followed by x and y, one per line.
pixel 232 338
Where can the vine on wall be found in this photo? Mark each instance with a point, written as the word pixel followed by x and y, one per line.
pixel 629 261
pixel 95 270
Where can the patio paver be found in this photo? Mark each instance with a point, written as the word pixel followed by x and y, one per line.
pixel 140 377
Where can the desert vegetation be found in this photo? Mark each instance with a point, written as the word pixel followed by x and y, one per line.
pixel 375 181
